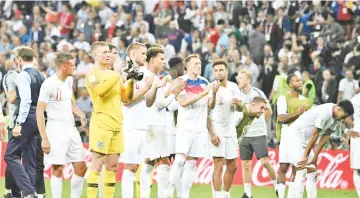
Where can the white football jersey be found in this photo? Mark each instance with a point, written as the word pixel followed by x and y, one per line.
pixel 222 116
pixel 194 117
pixel 58 95
pixel 320 117
pixel 356 103
pixel 136 114
pixel 157 112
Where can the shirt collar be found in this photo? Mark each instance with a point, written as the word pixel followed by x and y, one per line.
pixel 27 66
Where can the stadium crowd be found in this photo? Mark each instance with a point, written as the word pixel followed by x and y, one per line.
pixel 318 40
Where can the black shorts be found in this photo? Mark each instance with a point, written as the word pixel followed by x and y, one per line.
pixel 250 145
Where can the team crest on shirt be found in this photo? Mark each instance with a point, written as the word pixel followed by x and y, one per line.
pixel 245 129
pixel 100 144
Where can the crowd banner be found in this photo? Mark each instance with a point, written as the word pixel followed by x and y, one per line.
pixel 333 168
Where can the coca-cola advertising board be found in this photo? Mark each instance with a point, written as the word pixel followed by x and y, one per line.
pixel 333 167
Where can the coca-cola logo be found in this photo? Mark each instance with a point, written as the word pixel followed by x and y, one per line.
pixel 332 169
pixel 331 176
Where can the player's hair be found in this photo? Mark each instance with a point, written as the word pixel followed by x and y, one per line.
pixel 247 73
pixel 26 53
pixel 347 106
pixel 259 99
pixel 62 58
pixel 134 46
pixel 96 45
pixel 288 79
pixel 220 62
pixel 188 58
pixel 176 61
pixel 153 52
pixel 149 45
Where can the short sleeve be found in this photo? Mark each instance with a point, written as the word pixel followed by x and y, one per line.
pixel 267 101
pixel 356 84
pixel 321 120
pixel 281 105
pixel 45 93
pixel 341 85
pixel 276 84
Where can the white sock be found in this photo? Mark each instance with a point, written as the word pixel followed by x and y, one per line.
pixel 291 190
pixel 356 179
pixel 311 185
pixel 145 177
pixel 188 178
pixel 178 183
pixel 77 184
pixel 100 187
pixel 247 190
pixel 217 194
pixel 281 190
pixel 163 178
pixel 299 183
pixel 127 183
pixel 174 176
pixel 226 194
pixel 56 186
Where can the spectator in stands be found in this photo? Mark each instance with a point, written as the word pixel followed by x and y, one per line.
pixel 256 43
pixel 348 87
pixel 309 89
pixel 104 13
pixel 273 33
pixel 328 88
pixel 162 19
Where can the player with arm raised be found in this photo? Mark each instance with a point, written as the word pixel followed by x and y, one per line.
pixel 191 138
pixel 318 122
pixel 135 131
pixel 255 138
pixel 60 139
pixel 223 147
pixel 107 93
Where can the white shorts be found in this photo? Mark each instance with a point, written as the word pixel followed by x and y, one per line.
pixel 355 153
pixel 190 143
pixel 294 149
pixel 228 148
pixel 284 154
pixel 66 145
pixel 135 142
pixel 157 146
pixel 171 142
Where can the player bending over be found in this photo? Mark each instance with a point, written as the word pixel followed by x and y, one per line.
pixel 60 139
pixel 318 122
pixel 289 107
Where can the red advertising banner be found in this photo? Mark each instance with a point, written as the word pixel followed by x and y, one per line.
pixel 333 168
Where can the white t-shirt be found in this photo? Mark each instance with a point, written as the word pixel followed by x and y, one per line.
pixel 83 68
pixel 320 117
pixel 356 103
pixel 58 95
pixel 194 117
pixel 170 119
pixel 282 106
pixel 136 115
pixel 258 126
pixel 222 116
pixel 348 88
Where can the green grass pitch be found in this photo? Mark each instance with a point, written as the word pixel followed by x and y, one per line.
pixel 204 191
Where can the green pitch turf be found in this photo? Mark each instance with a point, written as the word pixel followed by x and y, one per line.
pixel 204 191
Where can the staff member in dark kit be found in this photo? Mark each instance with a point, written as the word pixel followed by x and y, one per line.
pixel 25 133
